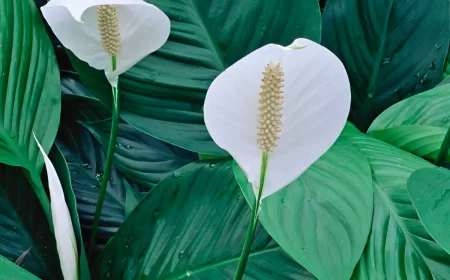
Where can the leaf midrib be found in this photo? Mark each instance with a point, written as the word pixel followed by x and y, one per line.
pixel 219 263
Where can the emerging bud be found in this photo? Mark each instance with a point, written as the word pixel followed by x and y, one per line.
pixel 108 26
pixel 270 107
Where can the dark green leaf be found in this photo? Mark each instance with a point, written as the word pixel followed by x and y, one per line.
pixel 193 224
pixel 85 159
pixel 323 218
pixel 11 271
pixel 399 247
pixel 391 49
pixel 23 225
pixel 140 157
pixel 29 91
pixel 429 189
pixel 163 95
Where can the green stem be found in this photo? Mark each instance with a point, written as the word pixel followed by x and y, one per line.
pixel 443 151
pixel 108 163
pixel 253 222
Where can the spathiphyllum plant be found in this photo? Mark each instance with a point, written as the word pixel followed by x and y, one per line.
pixel 256 139
pixel 269 111
pixel 112 35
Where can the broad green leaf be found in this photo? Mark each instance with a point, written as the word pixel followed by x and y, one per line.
pixel 62 169
pixel 29 91
pixel 429 189
pixel 421 140
pixel 323 218
pixel 163 94
pixel 193 225
pixel 399 247
pixel 140 157
pixel 11 271
pixel 418 124
pixel 391 49
pixel 23 225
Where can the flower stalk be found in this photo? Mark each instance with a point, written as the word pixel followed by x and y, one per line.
pixel 253 222
pixel 108 163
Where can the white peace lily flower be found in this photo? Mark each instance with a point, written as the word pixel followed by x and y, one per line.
pixel 288 103
pixel 96 30
pixel 66 243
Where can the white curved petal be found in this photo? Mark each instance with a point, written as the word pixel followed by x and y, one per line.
pixel 66 243
pixel 143 29
pixel 316 103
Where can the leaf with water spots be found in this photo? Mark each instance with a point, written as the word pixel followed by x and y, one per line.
pixel 429 189
pixel 392 49
pixel 194 225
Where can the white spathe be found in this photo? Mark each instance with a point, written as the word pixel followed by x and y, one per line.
pixel 143 29
pixel 316 104
pixel 66 243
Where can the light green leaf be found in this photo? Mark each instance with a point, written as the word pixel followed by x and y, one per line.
pixel 11 271
pixel 399 247
pixel 391 49
pixel 429 189
pixel 163 94
pixel 193 225
pixel 29 93
pixel 421 140
pixel 418 124
pixel 323 218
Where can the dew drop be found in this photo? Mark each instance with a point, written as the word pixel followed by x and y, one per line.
pixel 86 165
pixel 212 165
pixel 188 273
pixel 312 194
pixel 370 95
pixel 437 47
pixel 177 174
pixel 386 60
pixel 99 176
pixel 283 201
pixel 128 147
pixel 305 249
pixel 12 135
pixel 432 66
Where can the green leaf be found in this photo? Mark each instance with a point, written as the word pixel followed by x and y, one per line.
pixel 323 218
pixel 193 225
pixel 62 169
pixel 429 189
pixel 132 198
pixel 421 140
pixel 399 247
pixel 11 271
pixel 391 49
pixel 140 157
pixel 418 124
pixel 23 224
pixel 163 95
pixel 30 91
